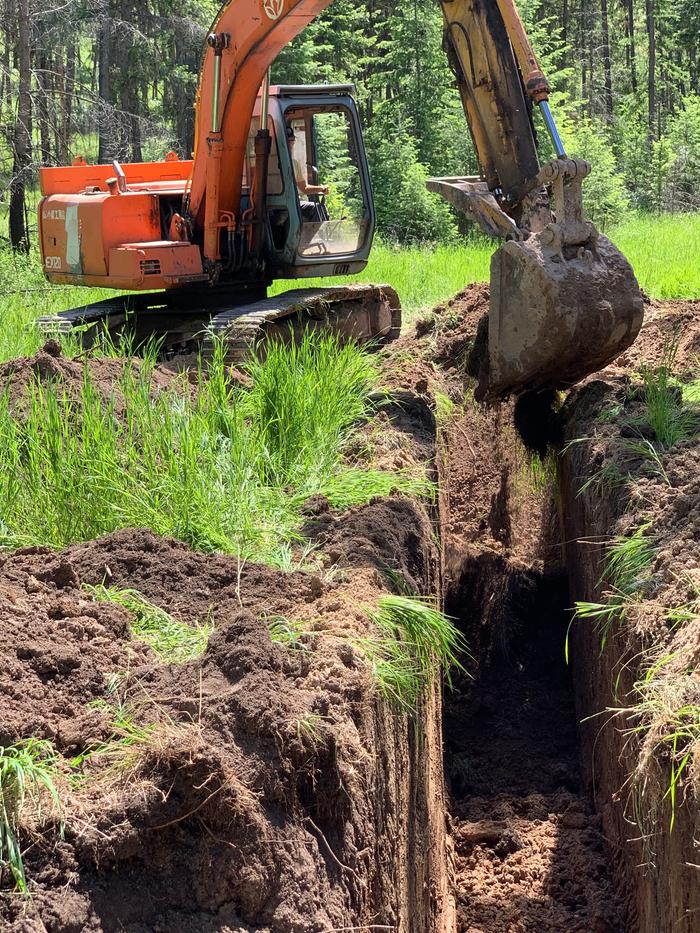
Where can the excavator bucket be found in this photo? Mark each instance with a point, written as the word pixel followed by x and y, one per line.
pixel 556 315
pixel 564 300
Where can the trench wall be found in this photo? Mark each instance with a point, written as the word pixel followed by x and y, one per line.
pixel 657 876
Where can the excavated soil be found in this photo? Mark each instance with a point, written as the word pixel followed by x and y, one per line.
pixel 18 377
pixel 248 808
pixel 256 788
pixel 613 489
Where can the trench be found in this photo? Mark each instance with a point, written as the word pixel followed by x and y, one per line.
pixel 529 854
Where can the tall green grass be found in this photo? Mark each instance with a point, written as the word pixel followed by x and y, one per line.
pixel 414 643
pixel 423 275
pixel 28 772
pixel 221 467
pixel 663 250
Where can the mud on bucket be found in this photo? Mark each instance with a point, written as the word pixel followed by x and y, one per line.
pixel 556 315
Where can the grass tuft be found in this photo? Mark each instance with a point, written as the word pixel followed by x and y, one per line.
pixel 666 406
pixel 415 642
pixel 219 466
pixel 173 641
pixel 290 633
pixel 28 771
pixel 354 486
pixel 667 718
pixel 625 571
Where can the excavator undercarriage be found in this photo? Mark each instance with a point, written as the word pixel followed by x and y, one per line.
pixel 186 325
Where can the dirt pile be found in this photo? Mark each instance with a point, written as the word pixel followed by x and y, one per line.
pixel 49 366
pixel 259 791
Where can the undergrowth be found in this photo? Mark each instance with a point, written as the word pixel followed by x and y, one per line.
pixel 668 411
pixel 173 641
pixel 219 466
pixel 665 716
pixel 28 771
pixel 414 643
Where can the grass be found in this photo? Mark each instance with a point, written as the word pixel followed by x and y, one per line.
pixel 423 276
pixel 120 751
pixel 414 643
pixel 173 641
pixel 27 777
pixel 667 718
pixel 290 633
pixel 670 409
pixel 663 251
pixel 223 468
pixel 626 573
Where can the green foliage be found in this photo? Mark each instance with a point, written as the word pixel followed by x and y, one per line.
pixel 625 571
pixel 354 486
pixel 604 196
pixel 663 252
pixel 415 642
pixel 287 632
pixel 221 468
pixel 666 716
pixel 666 409
pixel 406 210
pixel 28 771
pixel 684 136
pixel 174 642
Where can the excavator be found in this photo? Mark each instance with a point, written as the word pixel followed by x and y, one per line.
pixel 197 243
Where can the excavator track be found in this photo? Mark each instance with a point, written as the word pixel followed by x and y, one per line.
pixel 190 326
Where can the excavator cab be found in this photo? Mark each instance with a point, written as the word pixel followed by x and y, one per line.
pixel 319 209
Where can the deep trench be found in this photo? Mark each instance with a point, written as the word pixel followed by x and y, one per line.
pixel 529 854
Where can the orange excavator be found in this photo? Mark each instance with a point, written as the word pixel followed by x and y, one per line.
pixel 200 241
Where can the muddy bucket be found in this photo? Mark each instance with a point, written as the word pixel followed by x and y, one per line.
pixel 557 314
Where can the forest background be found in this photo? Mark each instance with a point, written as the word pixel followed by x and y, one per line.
pixel 117 78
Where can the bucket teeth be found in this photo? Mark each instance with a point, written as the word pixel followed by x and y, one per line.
pixel 558 313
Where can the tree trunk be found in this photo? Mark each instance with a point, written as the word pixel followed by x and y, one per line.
pixel 631 45
pixel 22 135
pixel 607 65
pixel 104 87
pixel 42 100
pixel 67 106
pixel 651 82
pixel 5 85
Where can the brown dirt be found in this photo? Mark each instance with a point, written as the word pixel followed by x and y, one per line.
pixel 250 806
pixel 610 489
pixel 665 322
pixel 49 366
pixel 274 793
pixel 529 853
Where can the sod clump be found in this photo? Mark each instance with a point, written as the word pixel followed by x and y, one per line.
pixel 414 643
pixel 173 641
pixel 221 466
